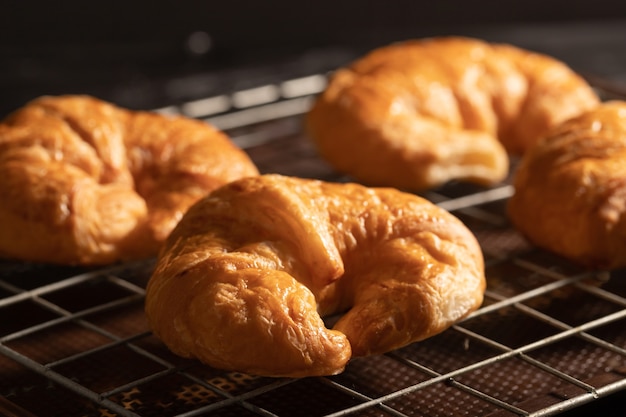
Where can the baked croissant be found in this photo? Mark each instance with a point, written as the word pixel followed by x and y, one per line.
pixel 417 114
pixel 570 190
pixel 245 278
pixel 86 182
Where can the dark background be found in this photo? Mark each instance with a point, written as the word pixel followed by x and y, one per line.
pixel 240 24
pixel 136 53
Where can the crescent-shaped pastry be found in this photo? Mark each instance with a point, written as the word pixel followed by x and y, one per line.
pixel 570 190
pixel 86 182
pixel 246 277
pixel 417 114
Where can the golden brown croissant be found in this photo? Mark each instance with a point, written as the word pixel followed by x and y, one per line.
pixel 244 278
pixel 417 114
pixel 86 182
pixel 570 190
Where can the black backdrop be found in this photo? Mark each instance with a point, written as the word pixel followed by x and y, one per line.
pixel 122 50
pixel 242 24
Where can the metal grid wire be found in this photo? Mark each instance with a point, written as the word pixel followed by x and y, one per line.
pixel 549 337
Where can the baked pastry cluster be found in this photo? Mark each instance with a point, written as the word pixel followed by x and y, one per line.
pixel 86 182
pixel 250 266
pixel 570 189
pixel 246 277
pixel 417 114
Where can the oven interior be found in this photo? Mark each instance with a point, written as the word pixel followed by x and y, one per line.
pixel 550 337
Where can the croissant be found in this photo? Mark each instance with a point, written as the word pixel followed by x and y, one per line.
pixel 247 276
pixel 417 114
pixel 86 182
pixel 570 190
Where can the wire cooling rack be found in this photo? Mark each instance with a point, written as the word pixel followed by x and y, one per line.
pixel 550 336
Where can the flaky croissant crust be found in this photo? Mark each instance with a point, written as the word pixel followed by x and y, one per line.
pixel 570 190
pixel 86 182
pixel 244 279
pixel 419 113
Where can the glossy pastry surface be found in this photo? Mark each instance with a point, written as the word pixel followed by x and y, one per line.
pixel 86 182
pixel 248 275
pixel 417 114
pixel 570 190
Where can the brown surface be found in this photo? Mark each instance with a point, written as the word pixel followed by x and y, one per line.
pixel 243 279
pixel 78 345
pixel 417 114
pixel 570 190
pixel 85 182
